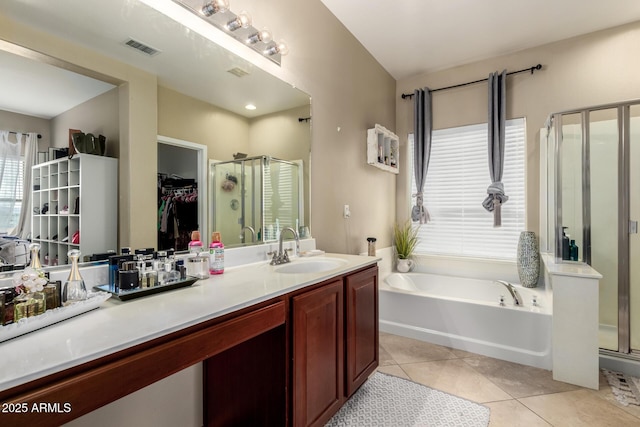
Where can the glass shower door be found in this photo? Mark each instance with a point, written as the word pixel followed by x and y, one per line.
pixel 603 162
pixel 634 215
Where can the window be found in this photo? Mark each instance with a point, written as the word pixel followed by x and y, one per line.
pixel 11 194
pixel 456 185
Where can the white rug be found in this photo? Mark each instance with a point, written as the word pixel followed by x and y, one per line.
pixel 385 400
pixel 625 388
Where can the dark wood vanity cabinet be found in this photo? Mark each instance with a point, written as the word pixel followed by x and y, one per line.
pixel 318 354
pixel 335 344
pixel 361 325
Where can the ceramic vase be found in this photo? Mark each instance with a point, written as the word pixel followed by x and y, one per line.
pixel 528 259
pixel 404 265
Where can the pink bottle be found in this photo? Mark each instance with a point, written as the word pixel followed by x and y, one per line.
pixel 195 245
pixel 216 254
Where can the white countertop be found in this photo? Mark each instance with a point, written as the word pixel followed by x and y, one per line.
pixel 118 325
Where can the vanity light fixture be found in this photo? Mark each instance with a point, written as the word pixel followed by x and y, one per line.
pixel 238 26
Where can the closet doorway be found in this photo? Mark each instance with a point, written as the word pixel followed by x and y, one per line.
pixel 182 192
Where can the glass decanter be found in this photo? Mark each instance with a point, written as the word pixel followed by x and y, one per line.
pixel 74 289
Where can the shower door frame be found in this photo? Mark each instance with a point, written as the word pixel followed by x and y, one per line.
pixel 624 191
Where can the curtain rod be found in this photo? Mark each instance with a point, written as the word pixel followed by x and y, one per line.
pixel 24 133
pixel 531 69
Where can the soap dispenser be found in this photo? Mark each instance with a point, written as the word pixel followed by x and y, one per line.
pixel 566 245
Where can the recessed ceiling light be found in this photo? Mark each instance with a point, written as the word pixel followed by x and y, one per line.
pixel 250 107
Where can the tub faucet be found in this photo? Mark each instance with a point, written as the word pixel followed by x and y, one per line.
pixel 512 291
pixel 252 230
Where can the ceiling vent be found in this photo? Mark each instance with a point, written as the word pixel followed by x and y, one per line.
pixel 147 50
pixel 238 72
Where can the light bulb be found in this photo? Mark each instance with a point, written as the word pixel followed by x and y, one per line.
pixel 263 36
pixel 283 48
pixel 280 47
pixel 243 20
pixel 215 6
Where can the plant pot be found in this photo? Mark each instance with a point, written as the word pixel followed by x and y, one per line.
pixel 404 265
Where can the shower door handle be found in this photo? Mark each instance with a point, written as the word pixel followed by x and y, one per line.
pixel 633 227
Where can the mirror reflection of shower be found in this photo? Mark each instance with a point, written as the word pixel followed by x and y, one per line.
pixel 253 198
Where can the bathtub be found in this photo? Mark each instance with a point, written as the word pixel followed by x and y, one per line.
pixel 466 314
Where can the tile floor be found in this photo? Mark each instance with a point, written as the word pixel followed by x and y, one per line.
pixel 517 395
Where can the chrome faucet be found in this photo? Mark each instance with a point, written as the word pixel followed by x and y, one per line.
pixel 252 230
pixel 281 257
pixel 512 291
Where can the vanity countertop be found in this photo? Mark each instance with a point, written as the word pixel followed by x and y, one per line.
pixel 119 325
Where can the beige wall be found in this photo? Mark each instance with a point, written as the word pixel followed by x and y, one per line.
pixel 189 119
pixel 593 69
pixel 98 116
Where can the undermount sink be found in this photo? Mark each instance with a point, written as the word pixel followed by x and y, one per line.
pixel 300 266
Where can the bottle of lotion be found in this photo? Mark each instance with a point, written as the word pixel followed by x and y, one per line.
pixel 216 254
pixel 195 245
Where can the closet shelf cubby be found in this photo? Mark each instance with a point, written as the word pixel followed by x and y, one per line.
pixel 70 195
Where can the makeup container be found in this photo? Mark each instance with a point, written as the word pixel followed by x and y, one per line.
pixel 128 276
pixel 198 266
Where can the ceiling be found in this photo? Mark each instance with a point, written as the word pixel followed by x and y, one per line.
pixel 410 37
pixel 188 62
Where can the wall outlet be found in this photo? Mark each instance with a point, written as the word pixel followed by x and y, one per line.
pixel 346 212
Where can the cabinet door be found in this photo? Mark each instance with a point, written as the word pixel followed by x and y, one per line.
pixel 318 354
pixel 361 327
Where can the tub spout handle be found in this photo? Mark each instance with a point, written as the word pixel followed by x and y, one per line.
pixel 512 291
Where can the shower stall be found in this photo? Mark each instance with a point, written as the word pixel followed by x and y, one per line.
pixel 252 199
pixel 593 200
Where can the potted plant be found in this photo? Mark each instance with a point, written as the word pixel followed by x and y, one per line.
pixel 405 239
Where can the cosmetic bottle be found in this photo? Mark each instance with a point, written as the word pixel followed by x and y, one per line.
pixel 573 249
pixel 151 275
pixel 170 273
pixel 115 264
pixel 195 245
pixel 216 254
pixel 74 289
pixel 371 246
pixel 128 276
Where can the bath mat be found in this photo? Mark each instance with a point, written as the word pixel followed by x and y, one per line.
pixel 625 388
pixel 385 400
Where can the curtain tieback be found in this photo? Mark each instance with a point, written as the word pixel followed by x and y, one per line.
pixel 495 191
pixel 419 212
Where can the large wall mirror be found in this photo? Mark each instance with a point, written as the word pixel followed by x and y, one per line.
pixel 202 92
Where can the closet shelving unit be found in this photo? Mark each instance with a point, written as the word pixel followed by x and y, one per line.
pixel 91 183
pixel 382 149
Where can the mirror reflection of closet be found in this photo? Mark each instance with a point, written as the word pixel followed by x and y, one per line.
pixel 181 193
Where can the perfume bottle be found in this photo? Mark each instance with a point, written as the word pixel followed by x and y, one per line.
pixel 74 289
pixel 34 248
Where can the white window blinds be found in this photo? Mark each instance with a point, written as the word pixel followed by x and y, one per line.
pixel 456 185
pixel 11 194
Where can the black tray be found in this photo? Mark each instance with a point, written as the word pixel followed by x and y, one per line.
pixel 142 292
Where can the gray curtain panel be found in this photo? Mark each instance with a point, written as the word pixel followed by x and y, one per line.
pixel 496 123
pixel 422 149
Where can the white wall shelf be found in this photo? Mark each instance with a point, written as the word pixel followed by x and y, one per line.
pixel 382 149
pixel 89 181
